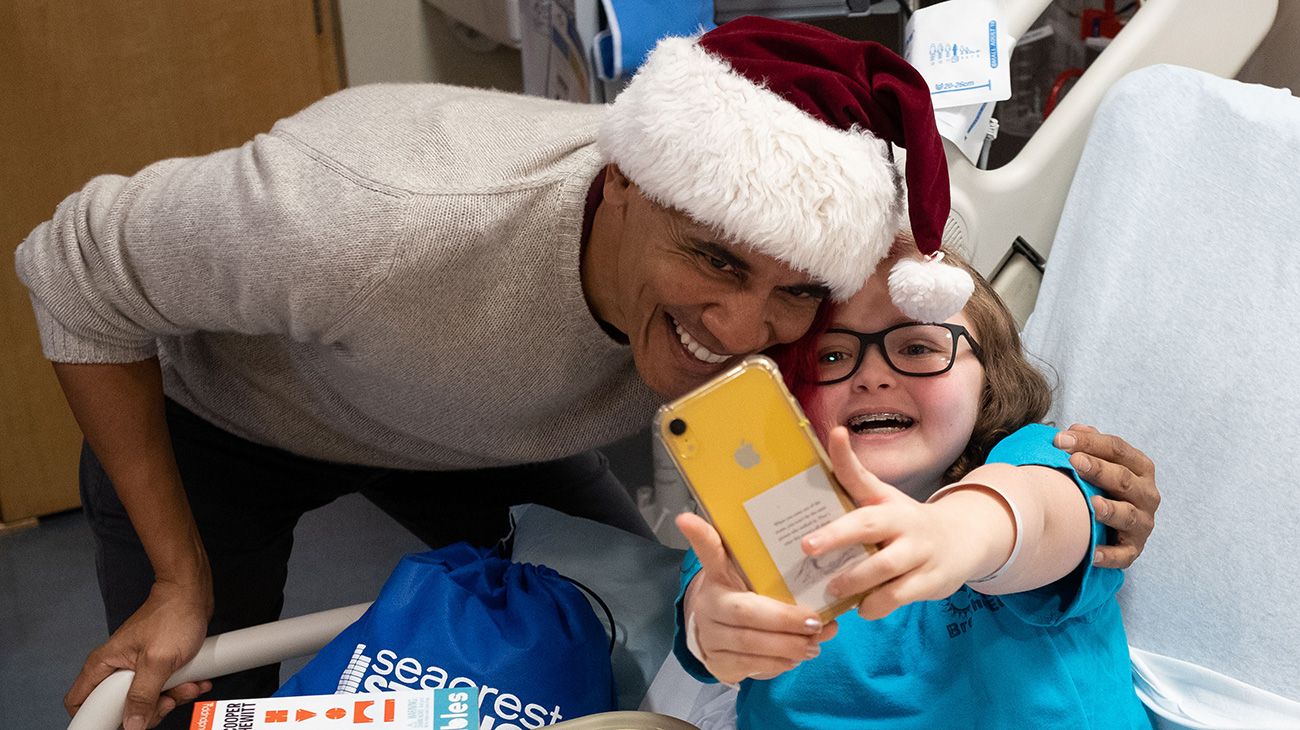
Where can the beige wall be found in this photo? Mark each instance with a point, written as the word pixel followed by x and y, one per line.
pixel 1277 62
pixel 409 40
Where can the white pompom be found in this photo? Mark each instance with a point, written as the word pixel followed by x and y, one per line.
pixel 928 290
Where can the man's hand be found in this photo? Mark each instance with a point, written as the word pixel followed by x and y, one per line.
pixel 1128 477
pixel 121 410
pixel 155 641
pixel 740 634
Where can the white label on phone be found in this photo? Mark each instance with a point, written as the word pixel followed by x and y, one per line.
pixel 783 515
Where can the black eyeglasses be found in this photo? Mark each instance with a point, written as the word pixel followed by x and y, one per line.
pixel 920 350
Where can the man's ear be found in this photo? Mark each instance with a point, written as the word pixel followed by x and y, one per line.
pixel 618 188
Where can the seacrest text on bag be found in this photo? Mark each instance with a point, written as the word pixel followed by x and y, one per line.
pixel 388 671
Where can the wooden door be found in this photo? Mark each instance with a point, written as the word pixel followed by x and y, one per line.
pixel 90 87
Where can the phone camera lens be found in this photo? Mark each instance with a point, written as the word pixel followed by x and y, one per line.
pixel 677 427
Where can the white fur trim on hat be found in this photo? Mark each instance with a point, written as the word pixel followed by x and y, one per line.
pixel 928 290
pixel 695 135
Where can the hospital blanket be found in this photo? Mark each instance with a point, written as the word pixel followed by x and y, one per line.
pixel 1169 311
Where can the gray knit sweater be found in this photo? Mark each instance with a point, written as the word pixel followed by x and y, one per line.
pixel 389 278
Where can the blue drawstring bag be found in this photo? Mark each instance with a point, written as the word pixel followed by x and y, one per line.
pixel 463 615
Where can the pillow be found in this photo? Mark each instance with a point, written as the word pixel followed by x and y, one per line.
pixel 637 578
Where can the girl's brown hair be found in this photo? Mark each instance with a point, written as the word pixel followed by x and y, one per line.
pixel 1015 392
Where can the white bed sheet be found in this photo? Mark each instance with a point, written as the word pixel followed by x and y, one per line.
pixel 1169 312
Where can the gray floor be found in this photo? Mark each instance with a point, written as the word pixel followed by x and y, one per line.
pixel 51 616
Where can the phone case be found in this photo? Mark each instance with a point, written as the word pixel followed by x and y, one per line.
pixel 760 476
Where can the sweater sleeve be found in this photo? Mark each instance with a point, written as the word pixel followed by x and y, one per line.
pixel 267 238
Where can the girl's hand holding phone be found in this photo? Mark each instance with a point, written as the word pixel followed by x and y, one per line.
pixel 927 550
pixel 740 634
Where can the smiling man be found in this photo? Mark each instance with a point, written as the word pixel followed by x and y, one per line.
pixel 688 300
pixel 434 295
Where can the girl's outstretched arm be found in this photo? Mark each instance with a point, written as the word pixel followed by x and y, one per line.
pixel 965 535
pixel 1052 526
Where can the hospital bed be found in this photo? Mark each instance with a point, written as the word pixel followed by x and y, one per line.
pixel 1183 611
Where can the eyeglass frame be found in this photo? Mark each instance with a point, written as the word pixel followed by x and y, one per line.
pixel 867 339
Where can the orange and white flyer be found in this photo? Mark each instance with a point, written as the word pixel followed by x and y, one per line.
pixel 448 708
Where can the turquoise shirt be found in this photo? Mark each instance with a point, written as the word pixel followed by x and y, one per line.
pixel 1055 657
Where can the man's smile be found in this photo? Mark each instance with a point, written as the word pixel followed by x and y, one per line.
pixel 697 350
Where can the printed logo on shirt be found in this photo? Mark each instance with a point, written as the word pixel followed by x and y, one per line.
pixel 962 607
pixel 386 671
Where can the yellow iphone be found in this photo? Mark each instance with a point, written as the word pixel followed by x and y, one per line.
pixel 760 476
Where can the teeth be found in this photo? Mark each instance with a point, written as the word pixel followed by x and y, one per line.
pixel 699 351
pixel 880 422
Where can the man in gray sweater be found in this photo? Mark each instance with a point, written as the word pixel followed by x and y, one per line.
pixel 431 294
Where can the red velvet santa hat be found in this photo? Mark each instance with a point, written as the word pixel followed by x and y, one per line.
pixel 777 133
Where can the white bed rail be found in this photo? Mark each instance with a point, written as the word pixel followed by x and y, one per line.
pixel 235 651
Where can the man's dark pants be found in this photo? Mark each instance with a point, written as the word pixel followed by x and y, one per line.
pixel 247 498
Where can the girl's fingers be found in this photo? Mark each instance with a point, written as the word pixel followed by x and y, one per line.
pixel 723 597
pixel 884 600
pixel 828 632
pixel 861 484
pixel 707 544
pixel 875 570
pixel 863 526
pixel 787 648
pixel 748 610
pixel 732 666
pixel 733 649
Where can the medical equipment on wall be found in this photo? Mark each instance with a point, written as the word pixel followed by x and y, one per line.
pixel 1049 58
pixel 586 50
pixel 1022 200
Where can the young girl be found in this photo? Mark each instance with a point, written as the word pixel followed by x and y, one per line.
pixel 985 609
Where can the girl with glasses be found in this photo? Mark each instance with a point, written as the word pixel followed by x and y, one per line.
pixel 985 607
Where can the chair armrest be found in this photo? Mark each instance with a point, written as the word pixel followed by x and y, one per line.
pixel 222 654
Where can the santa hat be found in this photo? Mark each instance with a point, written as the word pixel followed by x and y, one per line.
pixel 778 134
